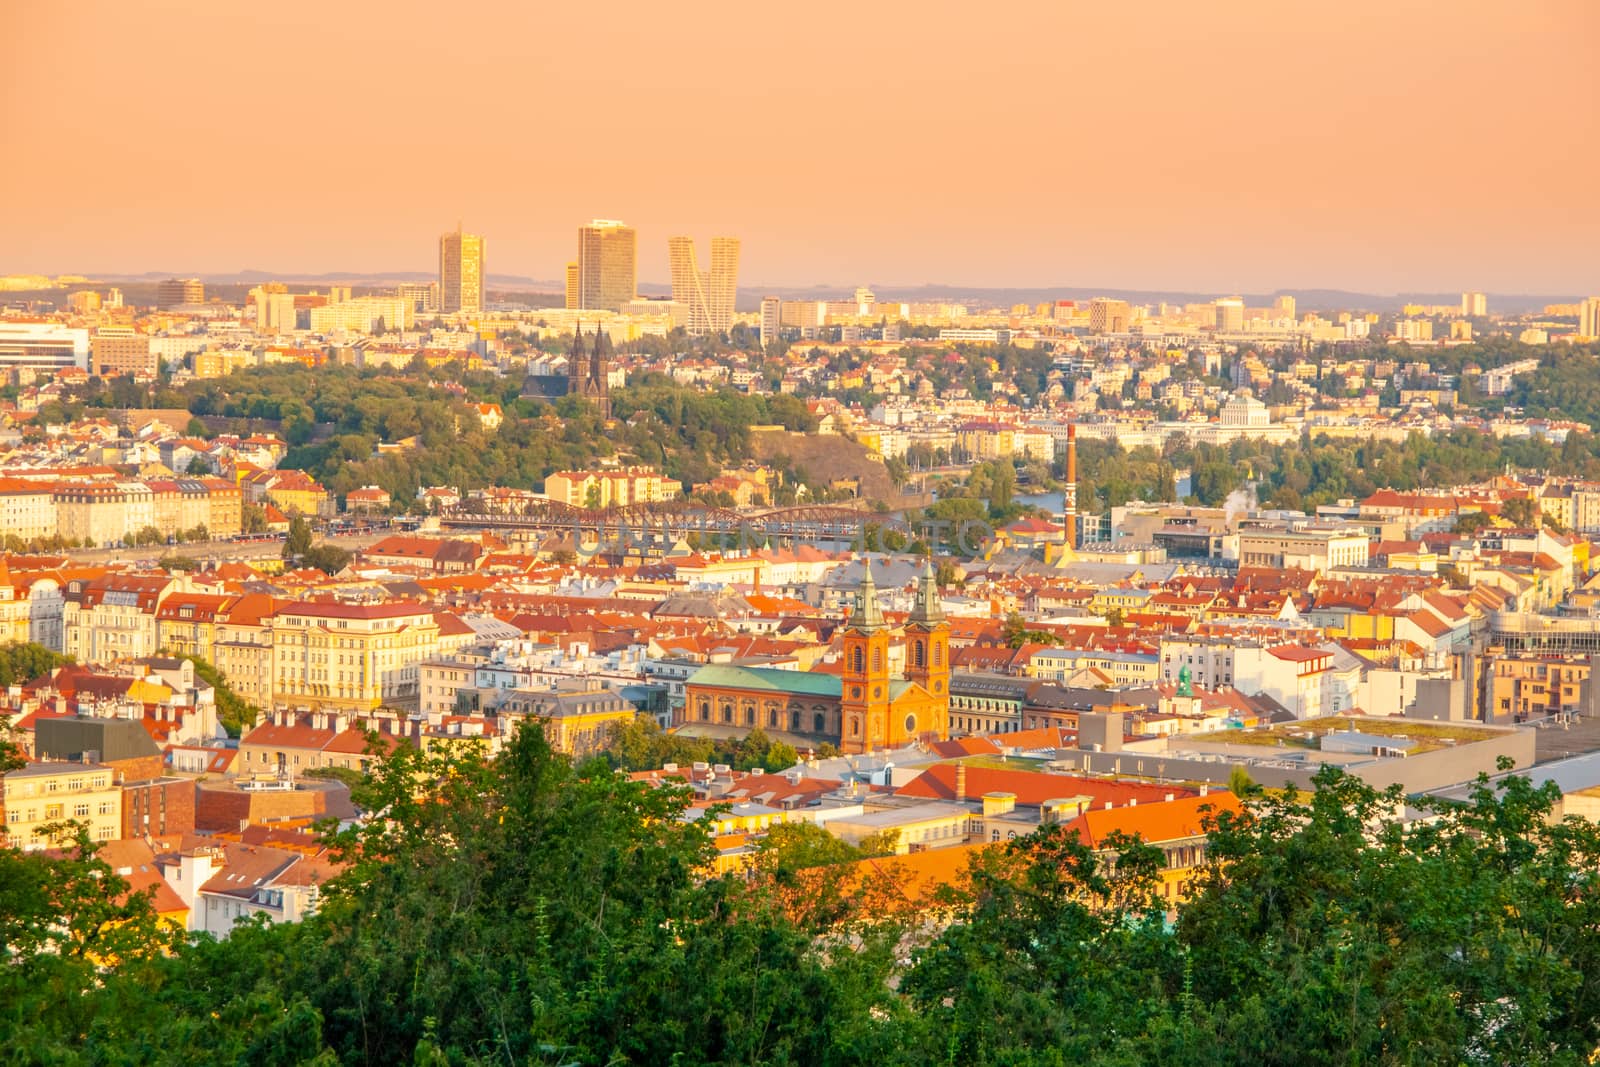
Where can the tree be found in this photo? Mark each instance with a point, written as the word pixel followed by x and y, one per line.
pixel 298 542
pixel 22 663
pixel 253 518
pixel 330 559
pixel 1521 511
pixel 780 757
pixel 198 467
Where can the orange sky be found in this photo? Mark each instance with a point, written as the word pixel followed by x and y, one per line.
pixel 1381 145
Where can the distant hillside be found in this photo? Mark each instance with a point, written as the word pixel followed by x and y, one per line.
pixel 827 457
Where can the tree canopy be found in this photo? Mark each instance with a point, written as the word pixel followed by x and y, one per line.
pixel 530 910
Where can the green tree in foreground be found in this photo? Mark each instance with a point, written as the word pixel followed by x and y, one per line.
pixel 530 911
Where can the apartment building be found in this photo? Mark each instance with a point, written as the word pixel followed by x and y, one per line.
pixel 113 617
pixel 41 794
pixel 610 488
pixel 350 656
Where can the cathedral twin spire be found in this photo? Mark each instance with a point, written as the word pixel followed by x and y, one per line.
pixel 591 382
pixel 926 610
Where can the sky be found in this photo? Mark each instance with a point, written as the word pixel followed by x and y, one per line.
pixel 1227 146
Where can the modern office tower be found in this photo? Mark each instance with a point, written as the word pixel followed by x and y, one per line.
pixel 275 310
pixel 708 295
pixel 771 319
pixel 1109 316
pixel 572 285
pixel 607 265
pixel 1474 304
pixel 461 274
pixel 422 296
pixel 1230 315
pixel 865 299
pixel 176 292
pixel 1589 318
pixel 1283 307
pixel 42 346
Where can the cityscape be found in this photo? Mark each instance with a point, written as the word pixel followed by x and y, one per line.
pixel 634 614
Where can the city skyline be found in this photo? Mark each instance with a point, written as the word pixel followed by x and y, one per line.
pixel 1361 152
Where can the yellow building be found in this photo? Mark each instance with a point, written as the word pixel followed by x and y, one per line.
pixel 610 488
pixel 41 794
pixel 461 275
pixel 349 656
pixel 576 720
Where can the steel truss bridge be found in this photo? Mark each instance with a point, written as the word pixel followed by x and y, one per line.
pixel 671 520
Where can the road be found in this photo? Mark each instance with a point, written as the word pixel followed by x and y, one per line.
pixel 215 551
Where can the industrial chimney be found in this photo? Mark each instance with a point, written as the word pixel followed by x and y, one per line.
pixel 1069 495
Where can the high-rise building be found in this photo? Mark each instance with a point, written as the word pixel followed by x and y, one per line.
pixel 607 265
pixel 1283 307
pixel 177 292
pixel 422 296
pixel 1589 318
pixel 1474 304
pixel 1230 315
pixel 275 310
pixel 84 301
pixel 119 350
pixel 708 295
pixel 572 285
pixel 771 319
pixel 461 274
pixel 1109 316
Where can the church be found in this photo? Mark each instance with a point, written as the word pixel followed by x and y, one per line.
pixel 588 375
pixel 863 707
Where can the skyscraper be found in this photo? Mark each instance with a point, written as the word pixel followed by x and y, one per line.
pixel 572 285
pixel 1589 318
pixel 461 272
pixel 1230 315
pixel 178 292
pixel 1475 304
pixel 771 319
pixel 708 295
pixel 607 265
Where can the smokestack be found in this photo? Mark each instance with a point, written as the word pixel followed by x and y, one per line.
pixel 961 782
pixel 1069 495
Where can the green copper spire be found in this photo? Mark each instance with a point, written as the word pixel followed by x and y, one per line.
pixel 927 611
pixel 867 616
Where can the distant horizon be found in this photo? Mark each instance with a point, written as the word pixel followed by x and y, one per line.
pixel 259 274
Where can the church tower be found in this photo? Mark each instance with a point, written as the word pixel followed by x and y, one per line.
pixel 577 364
pixel 928 648
pixel 599 386
pixel 864 699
